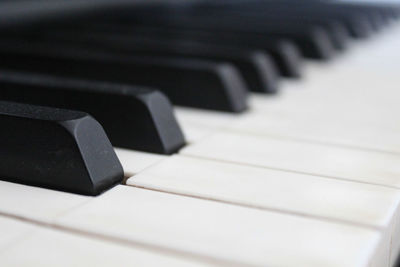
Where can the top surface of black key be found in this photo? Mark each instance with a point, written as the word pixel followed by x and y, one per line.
pixel 255 65
pixel 55 148
pixel 193 83
pixel 134 118
pixel 313 40
pixel 285 54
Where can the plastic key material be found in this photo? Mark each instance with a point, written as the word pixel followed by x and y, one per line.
pixel 133 118
pixel 193 83
pixel 57 149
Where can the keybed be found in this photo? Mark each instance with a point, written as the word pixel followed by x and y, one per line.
pixel 282 149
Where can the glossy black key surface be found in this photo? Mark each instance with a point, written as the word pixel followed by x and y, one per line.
pixel 57 149
pixel 313 41
pixel 358 20
pixel 285 54
pixel 133 118
pixel 260 21
pixel 193 83
pixel 256 67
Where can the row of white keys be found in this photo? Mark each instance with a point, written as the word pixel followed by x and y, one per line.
pixel 350 90
pixel 343 127
pixel 225 234
pixel 304 195
pixel 351 102
pixel 320 130
pixel 222 233
pixel 326 198
pixel 203 231
pixel 302 157
pixel 310 196
pixel 25 244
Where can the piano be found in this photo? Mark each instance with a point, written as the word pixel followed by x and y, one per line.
pixel 199 133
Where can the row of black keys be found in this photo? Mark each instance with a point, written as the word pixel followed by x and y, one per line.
pixel 205 56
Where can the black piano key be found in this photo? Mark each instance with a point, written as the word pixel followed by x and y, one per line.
pixel 256 66
pixel 335 29
pixel 57 149
pixel 337 32
pixel 285 54
pixel 358 24
pixel 314 41
pixel 375 13
pixel 192 83
pixel 133 118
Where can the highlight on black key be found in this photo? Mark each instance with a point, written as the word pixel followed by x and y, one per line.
pixel 56 149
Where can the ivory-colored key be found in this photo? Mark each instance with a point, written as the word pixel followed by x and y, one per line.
pixel 35 203
pixel 304 195
pixel 134 162
pixel 350 101
pixel 225 233
pixel 364 131
pixel 47 247
pixel 320 130
pixel 11 232
pixel 302 157
pixel 286 192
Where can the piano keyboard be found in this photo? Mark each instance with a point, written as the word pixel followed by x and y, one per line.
pixel 282 148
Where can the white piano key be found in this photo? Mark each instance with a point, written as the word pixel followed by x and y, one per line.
pixel 352 87
pixel 304 195
pixel 134 162
pixel 318 109
pixel 35 203
pixel 340 133
pixel 223 232
pixel 195 133
pixel 341 98
pixel 364 131
pixel 205 118
pixel 47 247
pixel 12 231
pixel 303 157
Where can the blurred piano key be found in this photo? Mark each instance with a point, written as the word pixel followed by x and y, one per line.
pixel 71 249
pixel 194 83
pixel 210 230
pixel 58 149
pixel 133 117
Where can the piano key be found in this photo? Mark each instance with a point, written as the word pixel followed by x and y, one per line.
pixel 135 162
pixel 312 105
pixel 218 86
pixel 335 29
pixel 358 23
pixel 135 118
pixel 71 249
pixel 58 149
pixel 338 33
pixel 285 54
pixel 255 66
pixel 304 112
pixel 300 157
pixel 376 14
pixel 347 133
pixel 12 231
pixel 207 229
pixel 36 204
pixel 195 133
pixel 313 41
pixel 266 189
